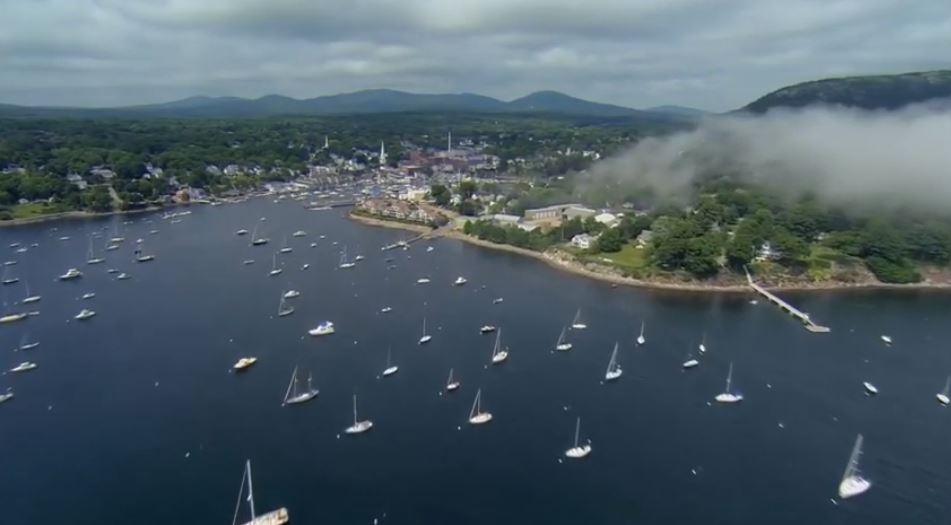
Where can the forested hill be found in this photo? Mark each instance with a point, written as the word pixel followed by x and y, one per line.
pixel 865 92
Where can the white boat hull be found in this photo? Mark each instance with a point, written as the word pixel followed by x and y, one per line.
pixel 29 346
pixel 301 398
pixel 870 388
pixel 579 326
pixel 359 427
pixel 578 452
pixel 564 347
pixel 641 340
pixel 943 399
pixel 321 331
pixel 480 419
pixel 690 363
pixel 272 273
pixel 390 371
pixel 425 339
pixel 500 357
pixel 31 299
pixel 727 397
pixel 275 517
pixel 452 386
pixel 611 376
pixel 853 486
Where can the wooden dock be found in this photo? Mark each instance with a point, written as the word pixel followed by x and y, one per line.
pixel 808 323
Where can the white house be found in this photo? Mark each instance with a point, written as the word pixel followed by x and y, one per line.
pixel 582 240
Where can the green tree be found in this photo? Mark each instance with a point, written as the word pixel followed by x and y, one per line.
pixel 440 194
pixel 610 240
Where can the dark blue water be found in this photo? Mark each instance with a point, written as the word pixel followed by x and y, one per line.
pixel 90 438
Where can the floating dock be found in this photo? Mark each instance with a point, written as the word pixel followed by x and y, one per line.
pixel 790 309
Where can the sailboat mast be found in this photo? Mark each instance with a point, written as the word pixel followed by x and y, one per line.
pixel 450 377
pixel 852 467
pixel 947 385
pixel 476 408
pixel 250 492
pixel 291 384
pixel 237 506
pixel 729 378
pixel 577 430
pixel 354 409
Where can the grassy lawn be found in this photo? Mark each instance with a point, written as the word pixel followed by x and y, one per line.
pixel 630 259
pixel 35 209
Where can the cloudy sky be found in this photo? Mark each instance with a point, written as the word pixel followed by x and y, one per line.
pixel 712 54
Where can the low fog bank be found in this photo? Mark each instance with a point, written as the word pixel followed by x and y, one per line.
pixel 844 156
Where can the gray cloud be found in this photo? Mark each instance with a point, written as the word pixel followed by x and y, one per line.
pixel 711 54
pixel 891 159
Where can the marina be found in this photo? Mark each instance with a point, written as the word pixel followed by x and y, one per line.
pixel 166 339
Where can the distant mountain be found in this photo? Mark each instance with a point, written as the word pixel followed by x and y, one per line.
pixel 866 92
pixel 682 111
pixel 554 102
pixel 359 102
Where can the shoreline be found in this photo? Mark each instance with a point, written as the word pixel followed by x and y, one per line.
pixel 80 214
pixel 579 268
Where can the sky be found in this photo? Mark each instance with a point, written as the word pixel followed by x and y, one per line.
pixel 711 54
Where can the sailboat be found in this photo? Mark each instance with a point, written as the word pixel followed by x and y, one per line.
pixel 274 269
pixel 294 395
pixel 140 255
pixel 703 344
pixel 116 238
pixel 614 369
pixel 578 451
pixel 853 483
pixel 451 383
pixel 91 255
pixel 498 354
pixel 8 395
pixel 358 426
pixel 344 263
pixel 640 338
pixel 476 415
pixel 943 395
pixel 285 248
pixel 255 241
pixel 426 337
pixel 71 273
pixel 690 362
pixel 284 309
pixel 562 345
pixel 29 298
pixel 728 396
pixel 6 276
pixel 24 345
pixel 576 322
pixel 390 367
pixel 275 517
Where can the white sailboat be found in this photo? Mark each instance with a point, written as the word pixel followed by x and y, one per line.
pixel 390 367
pixel 703 344
pixel 853 483
pixel 25 366
pixel 344 263
pixel 870 389
pixel 84 314
pixel 690 362
pixel 563 345
pixel 460 281
pixel 71 273
pixel 294 395
pixel 451 383
pixel 943 395
pixel 24 345
pixel 887 339
pixel 576 323
pixel 29 298
pixel 578 451
pixel 498 354
pixel 8 395
pixel 6 279
pixel 640 338
pixel 284 309
pixel 358 426
pixel 476 415
pixel 728 396
pixel 255 241
pixel 12 318
pixel 324 328
pixel 275 517
pixel 426 337
pixel 290 294
pixel 285 248
pixel 140 255
pixel 242 231
pixel 275 270
pixel 486 329
pixel 91 255
pixel 614 369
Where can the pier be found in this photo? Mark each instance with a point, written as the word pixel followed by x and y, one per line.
pixel 790 309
